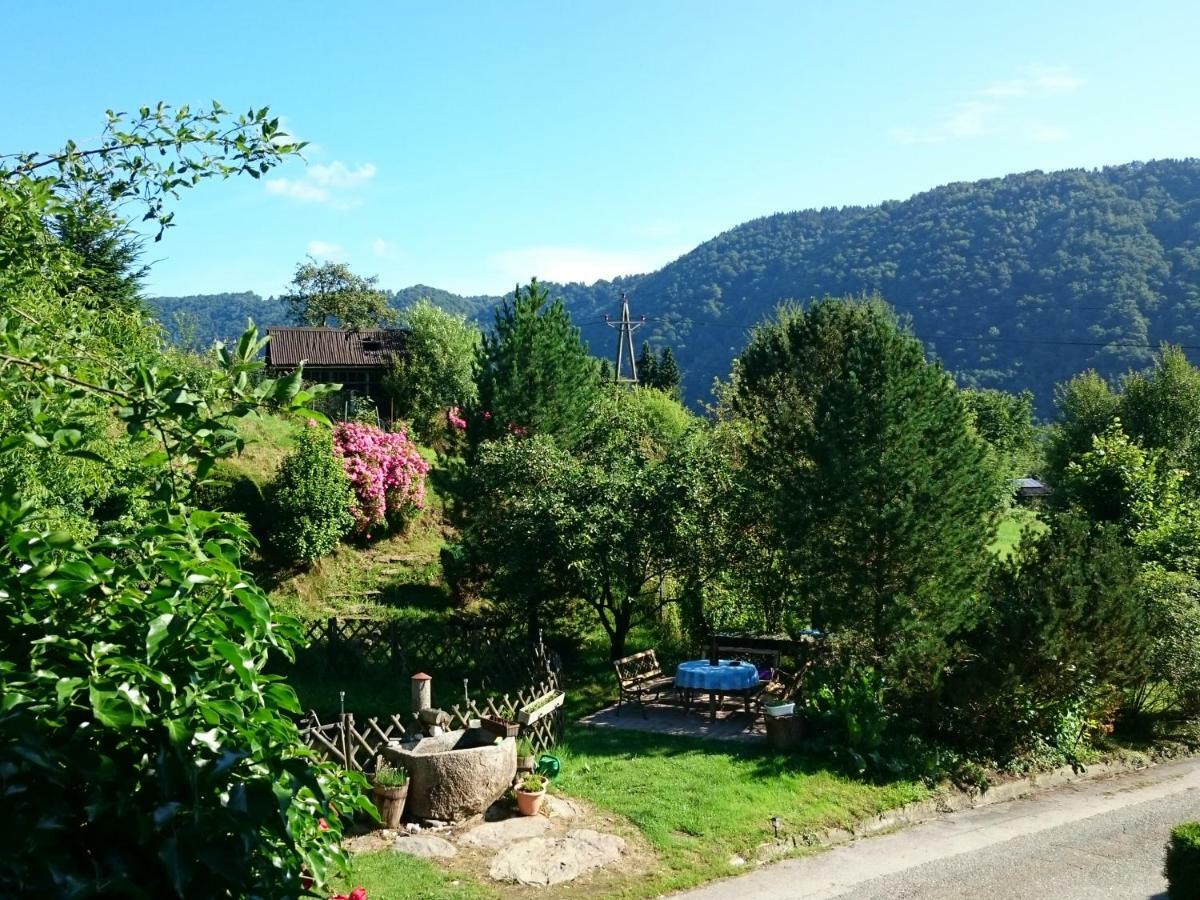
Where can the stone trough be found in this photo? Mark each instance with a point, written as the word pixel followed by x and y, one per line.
pixel 455 775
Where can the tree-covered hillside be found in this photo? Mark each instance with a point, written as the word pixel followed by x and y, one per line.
pixel 1015 282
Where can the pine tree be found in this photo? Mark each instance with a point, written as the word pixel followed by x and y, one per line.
pixel 647 367
pixel 534 372
pixel 666 372
pixel 873 480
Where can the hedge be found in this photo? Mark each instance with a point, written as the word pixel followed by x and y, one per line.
pixel 1183 862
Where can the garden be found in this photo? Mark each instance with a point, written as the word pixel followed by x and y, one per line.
pixel 536 622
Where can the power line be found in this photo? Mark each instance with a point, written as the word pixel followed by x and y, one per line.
pixel 1055 342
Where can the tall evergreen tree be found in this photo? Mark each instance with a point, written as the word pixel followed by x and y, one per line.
pixel 108 255
pixel 873 479
pixel 666 372
pixel 534 372
pixel 647 366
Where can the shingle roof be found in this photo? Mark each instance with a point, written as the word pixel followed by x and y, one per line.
pixel 290 345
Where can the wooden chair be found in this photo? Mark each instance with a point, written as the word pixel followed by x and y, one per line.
pixel 760 659
pixel 640 676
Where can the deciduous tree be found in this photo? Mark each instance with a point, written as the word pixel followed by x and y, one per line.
pixel 324 293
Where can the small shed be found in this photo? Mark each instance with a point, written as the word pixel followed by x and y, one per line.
pixel 1030 488
pixel 357 360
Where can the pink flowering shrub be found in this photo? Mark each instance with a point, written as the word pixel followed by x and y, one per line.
pixel 455 420
pixel 386 472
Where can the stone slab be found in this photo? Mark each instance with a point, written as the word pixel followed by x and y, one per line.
pixel 495 835
pixel 546 861
pixel 426 846
pixel 562 807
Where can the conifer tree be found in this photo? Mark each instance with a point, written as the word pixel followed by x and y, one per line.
pixel 534 371
pixel 647 366
pixel 873 480
pixel 666 372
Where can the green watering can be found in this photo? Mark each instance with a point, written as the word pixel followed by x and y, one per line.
pixel 548 766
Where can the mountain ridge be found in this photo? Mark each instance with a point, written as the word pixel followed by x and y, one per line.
pixel 1016 282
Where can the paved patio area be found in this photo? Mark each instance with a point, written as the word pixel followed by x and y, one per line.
pixel 732 723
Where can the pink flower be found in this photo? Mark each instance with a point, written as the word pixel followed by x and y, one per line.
pixel 385 470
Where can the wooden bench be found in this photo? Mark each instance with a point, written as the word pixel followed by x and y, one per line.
pixel 640 676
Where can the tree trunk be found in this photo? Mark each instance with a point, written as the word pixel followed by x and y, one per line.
pixel 619 632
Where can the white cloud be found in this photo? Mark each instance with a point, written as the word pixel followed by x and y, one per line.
pixel 1048 134
pixel 335 184
pixel 383 248
pixel 566 264
pixel 967 120
pixel 1036 81
pixel 326 250
pixel 993 109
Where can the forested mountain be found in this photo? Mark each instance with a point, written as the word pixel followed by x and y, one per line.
pixel 1015 282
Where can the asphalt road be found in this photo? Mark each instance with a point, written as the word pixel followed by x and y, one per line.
pixel 1092 840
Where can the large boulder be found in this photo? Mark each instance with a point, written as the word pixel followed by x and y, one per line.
pixel 455 775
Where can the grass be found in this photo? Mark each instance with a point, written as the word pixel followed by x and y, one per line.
pixel 268 440
pixel 1008 535
pixel 699 802
pixel 695 803
pixel 395 876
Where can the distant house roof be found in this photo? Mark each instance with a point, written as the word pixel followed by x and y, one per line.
pixel 1030 487
pixel 290 345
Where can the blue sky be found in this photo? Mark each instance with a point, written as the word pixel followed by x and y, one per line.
pixel 471 145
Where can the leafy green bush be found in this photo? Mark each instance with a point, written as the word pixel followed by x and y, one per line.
pixel 846 705
pixel 144 748
pixel 1062 636
pixel 1183 862
pixel 313 497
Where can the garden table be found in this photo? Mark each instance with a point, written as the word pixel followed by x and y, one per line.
pixel 699 676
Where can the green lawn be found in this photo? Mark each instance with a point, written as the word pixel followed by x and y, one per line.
pixel 699 802
pixel 1008 535
pixel 696 803
pixel 394 876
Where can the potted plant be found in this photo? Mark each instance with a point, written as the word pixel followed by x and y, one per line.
pixel 776 708
pixel 526 755
pixel 390 790
pixel 530 791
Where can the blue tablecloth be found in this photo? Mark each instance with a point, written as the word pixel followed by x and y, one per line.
pixel 699 675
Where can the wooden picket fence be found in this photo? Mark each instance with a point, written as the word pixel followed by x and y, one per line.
pixel 487 656
pixel 355 746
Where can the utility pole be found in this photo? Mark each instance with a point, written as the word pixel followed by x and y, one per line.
pixel 626 328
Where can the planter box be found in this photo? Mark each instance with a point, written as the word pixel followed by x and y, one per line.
pixel 785 732
pixel 390 803
pixel 783 709
pixel 499 727
pixel 541 707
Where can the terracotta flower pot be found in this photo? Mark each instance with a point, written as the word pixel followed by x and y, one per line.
pixel 529 803
pixel 390 803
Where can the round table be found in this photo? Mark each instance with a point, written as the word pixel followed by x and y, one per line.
pixel 699 676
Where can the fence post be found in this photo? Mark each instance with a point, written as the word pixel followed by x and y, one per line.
pixel 331 641
pixel 347 725
pixel 397 652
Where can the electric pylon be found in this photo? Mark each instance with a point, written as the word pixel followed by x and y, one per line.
pixel 625 328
